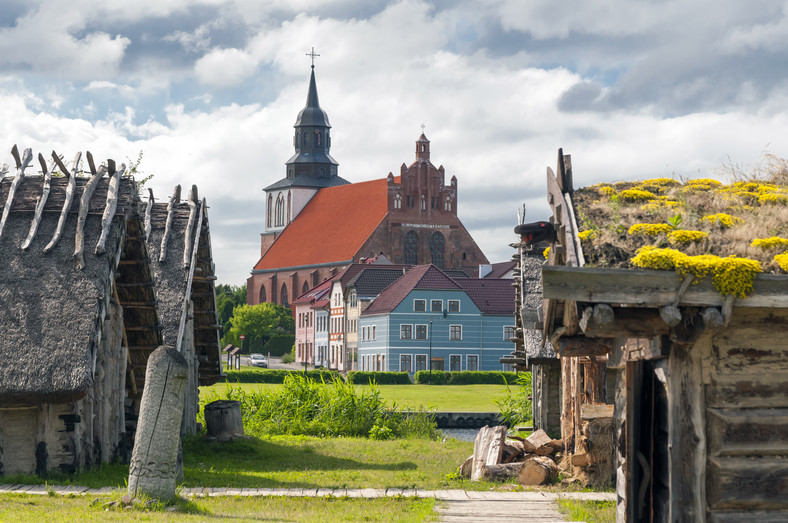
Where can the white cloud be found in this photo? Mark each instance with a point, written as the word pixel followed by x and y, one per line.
pixel 224 67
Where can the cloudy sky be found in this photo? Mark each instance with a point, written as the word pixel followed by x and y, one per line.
pixel 209 91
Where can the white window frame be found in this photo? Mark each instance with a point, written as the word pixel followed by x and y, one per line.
pixel 451 357
pixel 422 301
pixel 374 336
pixel 410 337
pixel 451 337
pixel 416 329
pixel 448 305
pixel 426 361
pixel 514 331
pixel 432 306
pixel 411 363
pixel 468 357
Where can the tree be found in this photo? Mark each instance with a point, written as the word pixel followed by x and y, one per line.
pixel 258 322
pixel 228 297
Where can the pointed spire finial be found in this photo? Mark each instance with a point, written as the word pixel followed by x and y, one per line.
pixel 313 54
pixel 422 128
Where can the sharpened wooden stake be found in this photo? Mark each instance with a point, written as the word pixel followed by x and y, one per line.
pixel 72 183
pixel 84 207
pixel 21 165
pixel 112 205
pixel 42 201
pixel 188 241
pixel 148 210
pixel 174 200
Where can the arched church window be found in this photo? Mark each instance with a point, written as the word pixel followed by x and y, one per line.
pixel 279 212
pixel 262 293
pixel 269 209
pixel 397 201
pixel 287 218
pixel 423 203
pixel 305 289
pixel 437 244
pixel 447 204
pixel 283 302
pixel 411 251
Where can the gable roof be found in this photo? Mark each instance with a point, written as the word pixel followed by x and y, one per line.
pixel 494 296
pixel 369 283
pixel 331 228
pixel 315 293
pixel 419 277
pixel 500 270
pixel 52 310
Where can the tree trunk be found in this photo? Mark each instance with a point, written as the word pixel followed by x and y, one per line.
pixel 223 420
pixel 538 470
pixel 502 472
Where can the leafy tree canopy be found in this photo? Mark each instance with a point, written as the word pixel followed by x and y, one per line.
pixel 259 322
pixel 228 297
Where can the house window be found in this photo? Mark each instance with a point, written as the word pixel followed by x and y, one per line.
pixel 421 362
pixel 454 306
pixel 419 305
pixel 353 299
pixel 472 363
pixel 411 254
pixel 455 363
pixel 373 333
pixel 405 361
pixel 436 306
pixel 305 288
pixel 398 201
pixel 508 333
pixel 421 332
pixel 455 332
pixel 405 332
pixel 437 243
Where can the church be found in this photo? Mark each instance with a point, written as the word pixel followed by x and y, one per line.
pixel 317 223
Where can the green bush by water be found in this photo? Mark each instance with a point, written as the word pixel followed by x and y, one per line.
pixel 517 407
pixel 466 377
pixel 305 406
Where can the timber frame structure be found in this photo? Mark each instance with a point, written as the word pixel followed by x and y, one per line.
pixel 80 313
pixel 700 399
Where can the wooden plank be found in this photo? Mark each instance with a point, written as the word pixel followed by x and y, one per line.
pixel 593 411
pixel 188 241
pixel 749 516
pixel 748 390
pixel 740 432
pixel 174 200
pixel 572 346
pixel 645 288
pixel 487 448
pixel 630 323
pixel 747 483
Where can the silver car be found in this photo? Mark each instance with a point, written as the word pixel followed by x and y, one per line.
pixel 258 360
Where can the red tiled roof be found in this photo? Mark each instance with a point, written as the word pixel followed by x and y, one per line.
pixel 492 296
pixel 331 228
pixel 501 269
pixel 419 277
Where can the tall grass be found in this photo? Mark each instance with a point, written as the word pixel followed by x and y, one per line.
pixel 304 406
pixel 517 406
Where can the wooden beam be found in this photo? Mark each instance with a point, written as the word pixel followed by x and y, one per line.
pixel 42 201
pixel 110 206
pixel 630 323
pixel 174 200
pixel 572 346
pixel 647 288
pixel 72 183
pixel 593 411
pixel 21 165
pixel 84 207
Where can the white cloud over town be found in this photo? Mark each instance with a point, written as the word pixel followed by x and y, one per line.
pixel 209 91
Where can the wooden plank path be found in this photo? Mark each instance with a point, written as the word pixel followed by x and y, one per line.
pixel 454 505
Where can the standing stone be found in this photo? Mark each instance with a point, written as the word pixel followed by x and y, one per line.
pixel 153 467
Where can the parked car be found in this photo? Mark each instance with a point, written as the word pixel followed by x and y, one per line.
pixel 258 360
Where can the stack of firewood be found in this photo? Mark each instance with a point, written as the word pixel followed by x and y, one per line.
pixel 496 457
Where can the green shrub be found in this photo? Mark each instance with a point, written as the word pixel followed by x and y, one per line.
pixel 466 377
pixel 358 377
pixel 438 377
pixel 289 357
pixel 279 344
pixel 517 407
pixel 471 377
pixel 304 406
pixel 276 375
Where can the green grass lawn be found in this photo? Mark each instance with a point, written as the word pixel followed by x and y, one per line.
pixel 26 508
pixel 451 398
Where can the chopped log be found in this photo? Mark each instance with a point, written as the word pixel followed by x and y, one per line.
pixel 42 201
pixel 465 468
pixel 72 182
pixel 593 411
pixel 538 470
pixel 187 236
pixel 84 207
pixel 528 447
pixel 111 206
pixel 539 438
pixel 502 472
pixel 510 453
pixel 557 444
pixel 487 449
pixel 583 460
pixel 21 165
pixel 148 209
pixel 174 200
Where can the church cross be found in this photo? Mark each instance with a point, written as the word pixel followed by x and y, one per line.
pixel 313 54
pixel 422 128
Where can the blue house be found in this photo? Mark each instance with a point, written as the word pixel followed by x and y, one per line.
pixel 427 317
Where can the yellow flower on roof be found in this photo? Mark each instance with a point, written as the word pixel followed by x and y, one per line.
pixel 782 261
pixel 770 243
pixel 771 198
pixel 704 181
pixel 587 235
pixel 637 195
pixel 546 253
pixel 722 219
pixel 734 275
pixel 649 229
pixel 685 237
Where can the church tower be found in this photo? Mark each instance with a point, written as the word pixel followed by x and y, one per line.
pixel 310 169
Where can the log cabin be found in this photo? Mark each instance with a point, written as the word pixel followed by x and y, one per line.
pixel 79 314
pixel 700 414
